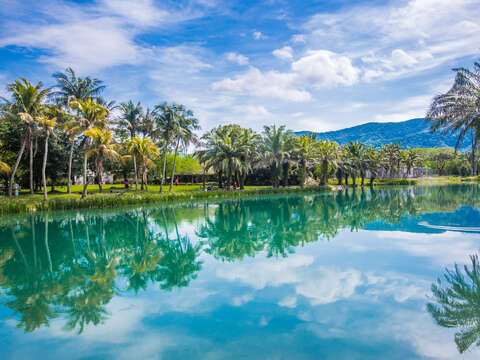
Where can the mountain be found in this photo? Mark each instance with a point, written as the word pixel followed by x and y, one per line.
pixel 414 133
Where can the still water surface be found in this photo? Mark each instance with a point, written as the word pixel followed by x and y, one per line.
pixel 346 275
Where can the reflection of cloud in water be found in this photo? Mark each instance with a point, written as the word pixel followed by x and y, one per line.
pixel 321 284
pixel 445 248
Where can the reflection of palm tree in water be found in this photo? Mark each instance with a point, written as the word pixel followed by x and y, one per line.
pixel 458 303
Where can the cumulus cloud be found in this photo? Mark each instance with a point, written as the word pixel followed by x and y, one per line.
pixel 399 39
pixel 285 53
pixel 323 68
pixel 92 37
pixel 237 58
pixel 317 69
pixel 269 84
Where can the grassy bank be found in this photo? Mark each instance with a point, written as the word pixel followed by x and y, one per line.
pixel 34 203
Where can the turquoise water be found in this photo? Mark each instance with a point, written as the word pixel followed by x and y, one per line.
pixel 346 275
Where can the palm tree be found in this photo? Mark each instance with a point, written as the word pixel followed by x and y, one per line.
pixel 392 156
pixel 306 151
pixel 27 106
pixel 70 87
pixel 410 158
pixel 275 150
pixel 183 133
pixel 102 147
pixel 167 123
pixel 47 124
pixel 72 128
pixel 131 119
pixel 328 154
pixel 146 151
pixel 458 110
pixel 458 303
pixel 355 153
pixel 91 115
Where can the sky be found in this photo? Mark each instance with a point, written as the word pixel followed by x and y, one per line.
pixel 309 65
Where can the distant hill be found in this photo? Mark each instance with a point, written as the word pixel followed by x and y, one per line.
pixel 412 133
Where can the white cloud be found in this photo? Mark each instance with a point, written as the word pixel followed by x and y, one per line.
pixel 270 84
pixel 317 69
pixel 323 68
pixel 299 38
pixel 285 53
pixel 257 35
pixel 237 58
pixel 399 39
pixel 140 12
pixel 87 44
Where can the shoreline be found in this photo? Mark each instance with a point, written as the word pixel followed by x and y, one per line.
pixel 112 200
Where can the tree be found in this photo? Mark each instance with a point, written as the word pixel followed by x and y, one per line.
pixel 167 123
pixel 306 152
pixel 146 151
pixel 410 158
pixel 26 108
pixel 102 147
pixel 275 150
pixel 458 303
pixel 328 153
pixel 392 157
pixel 47 124
pixel 70 87
pixel 91 115
pixel 458 110
pixel 131 119
pixel 183 132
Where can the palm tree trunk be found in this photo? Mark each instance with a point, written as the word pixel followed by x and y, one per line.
pixel 47 246
pixel 100 173
pixel 135 171
pixel 324 172
pixel 70 158
pixel 164 168
pixel 15 167
pixel 85 182
pixel 174 163
pixel 44 166
pixel 474 148
pixel 144 175
pixel 31 165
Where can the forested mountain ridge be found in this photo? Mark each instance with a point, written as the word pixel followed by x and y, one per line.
pixel 414 133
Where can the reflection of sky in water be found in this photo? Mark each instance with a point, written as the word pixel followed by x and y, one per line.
pixel 361 295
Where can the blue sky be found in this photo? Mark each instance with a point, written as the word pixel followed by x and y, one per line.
pixel 311 65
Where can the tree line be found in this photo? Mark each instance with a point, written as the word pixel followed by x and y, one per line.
pixel 75 130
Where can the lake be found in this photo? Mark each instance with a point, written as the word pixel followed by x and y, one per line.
pixel 342 275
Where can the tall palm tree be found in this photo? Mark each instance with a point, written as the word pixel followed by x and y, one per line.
pixel 91 115
pixel 26 107
pixel 72 128
pixel 131 117
pixel 275 150
pixel 145 151
pixel 102 147
pixel 167 123
pixel 70 87
pixel 328 154
pixel 47 124
pixel 458 110
pixel 306 151
pixel 184 134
